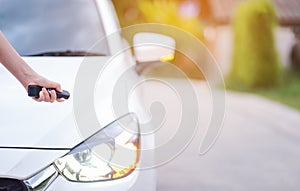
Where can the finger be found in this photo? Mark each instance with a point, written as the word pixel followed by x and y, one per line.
pixel 55 85
pixel 36 99
pixel 52 96
pixel 58 88
pixel 60 100
pixel 46 95
pixel 41 97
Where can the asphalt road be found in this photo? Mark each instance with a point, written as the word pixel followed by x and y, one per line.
pixel 258 149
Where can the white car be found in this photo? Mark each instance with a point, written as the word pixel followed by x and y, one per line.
pixel 42 146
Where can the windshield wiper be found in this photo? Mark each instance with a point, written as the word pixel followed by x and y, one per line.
pixel 67 53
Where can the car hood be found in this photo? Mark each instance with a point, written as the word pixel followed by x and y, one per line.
pixel 34 134
pixel 27 123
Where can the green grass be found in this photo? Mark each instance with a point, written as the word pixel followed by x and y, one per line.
pixel 286 92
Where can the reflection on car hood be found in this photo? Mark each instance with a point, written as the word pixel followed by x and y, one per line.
pixel 27 123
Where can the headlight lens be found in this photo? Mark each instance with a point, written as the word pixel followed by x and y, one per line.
pixel 111 153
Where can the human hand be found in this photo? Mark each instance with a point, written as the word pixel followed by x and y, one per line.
pixel 44 95
pixel 10 58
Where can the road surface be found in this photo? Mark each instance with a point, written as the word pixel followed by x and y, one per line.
pixel 258 149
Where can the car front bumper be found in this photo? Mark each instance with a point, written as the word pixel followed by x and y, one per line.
pixel 138 180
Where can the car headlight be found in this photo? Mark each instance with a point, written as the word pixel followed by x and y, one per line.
pixel 111 153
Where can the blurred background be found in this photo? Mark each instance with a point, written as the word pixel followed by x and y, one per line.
pixel 256 45
pixel 254 42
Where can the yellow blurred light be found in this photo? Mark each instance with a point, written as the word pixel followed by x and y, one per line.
pixel 167 58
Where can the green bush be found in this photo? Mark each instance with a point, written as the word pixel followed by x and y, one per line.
pixel 255 59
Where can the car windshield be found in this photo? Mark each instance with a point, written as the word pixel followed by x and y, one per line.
pixel 35 27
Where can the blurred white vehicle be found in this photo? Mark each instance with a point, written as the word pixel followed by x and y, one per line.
pixel 41 148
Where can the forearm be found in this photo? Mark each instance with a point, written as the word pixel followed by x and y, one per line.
pixel 14 63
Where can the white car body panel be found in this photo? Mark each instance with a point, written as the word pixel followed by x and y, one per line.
pixel 23 163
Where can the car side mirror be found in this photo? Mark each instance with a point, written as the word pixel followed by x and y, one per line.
pixel 152 48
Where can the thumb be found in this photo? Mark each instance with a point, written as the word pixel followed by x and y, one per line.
pixel 57 86
pixel 51 84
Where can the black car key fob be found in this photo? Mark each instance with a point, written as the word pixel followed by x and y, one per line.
pixel 34 91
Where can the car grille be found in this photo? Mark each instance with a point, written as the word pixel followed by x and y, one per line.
pixel 8 184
